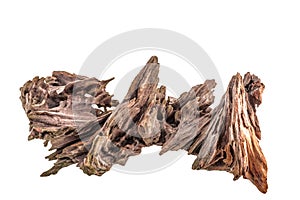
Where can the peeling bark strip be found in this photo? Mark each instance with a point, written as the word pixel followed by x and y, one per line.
pixel 86 127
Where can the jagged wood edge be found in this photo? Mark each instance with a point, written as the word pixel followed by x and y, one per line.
pixel 170 134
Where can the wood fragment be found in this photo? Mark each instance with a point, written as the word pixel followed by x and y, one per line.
pixel 194 111
pixel 132 125
pixel 85 126
pixel 231 141
pixel 59 108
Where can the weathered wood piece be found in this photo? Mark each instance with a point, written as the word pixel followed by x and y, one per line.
pixel 60 111
pixel 231 141
pixel 192 112
pixel 86 127
pixel 132 125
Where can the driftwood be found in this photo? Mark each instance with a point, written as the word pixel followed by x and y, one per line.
pixel 230 141
pixel 86 127
pixel 50 104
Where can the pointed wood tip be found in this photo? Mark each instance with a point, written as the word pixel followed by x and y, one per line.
pixel 105 82
pixel 153 59
pixel 162 151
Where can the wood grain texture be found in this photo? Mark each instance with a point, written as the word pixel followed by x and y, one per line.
pixel 122 134
pixel 59 108
pixel 85 126
pixel 231 139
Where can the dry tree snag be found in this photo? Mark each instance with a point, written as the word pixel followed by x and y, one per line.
pixel 77 116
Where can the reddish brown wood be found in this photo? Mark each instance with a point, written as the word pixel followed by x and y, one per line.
pixel 86 127
pixel 231 139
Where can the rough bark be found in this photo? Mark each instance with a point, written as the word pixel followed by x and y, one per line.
pixel 74 114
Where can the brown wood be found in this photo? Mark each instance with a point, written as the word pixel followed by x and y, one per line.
pixel 231 139
pixel 51 104
pixel 86 127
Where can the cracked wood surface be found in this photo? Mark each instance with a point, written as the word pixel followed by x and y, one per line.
pixel 85 126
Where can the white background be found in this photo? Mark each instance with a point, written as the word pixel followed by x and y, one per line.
pixel 258 36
